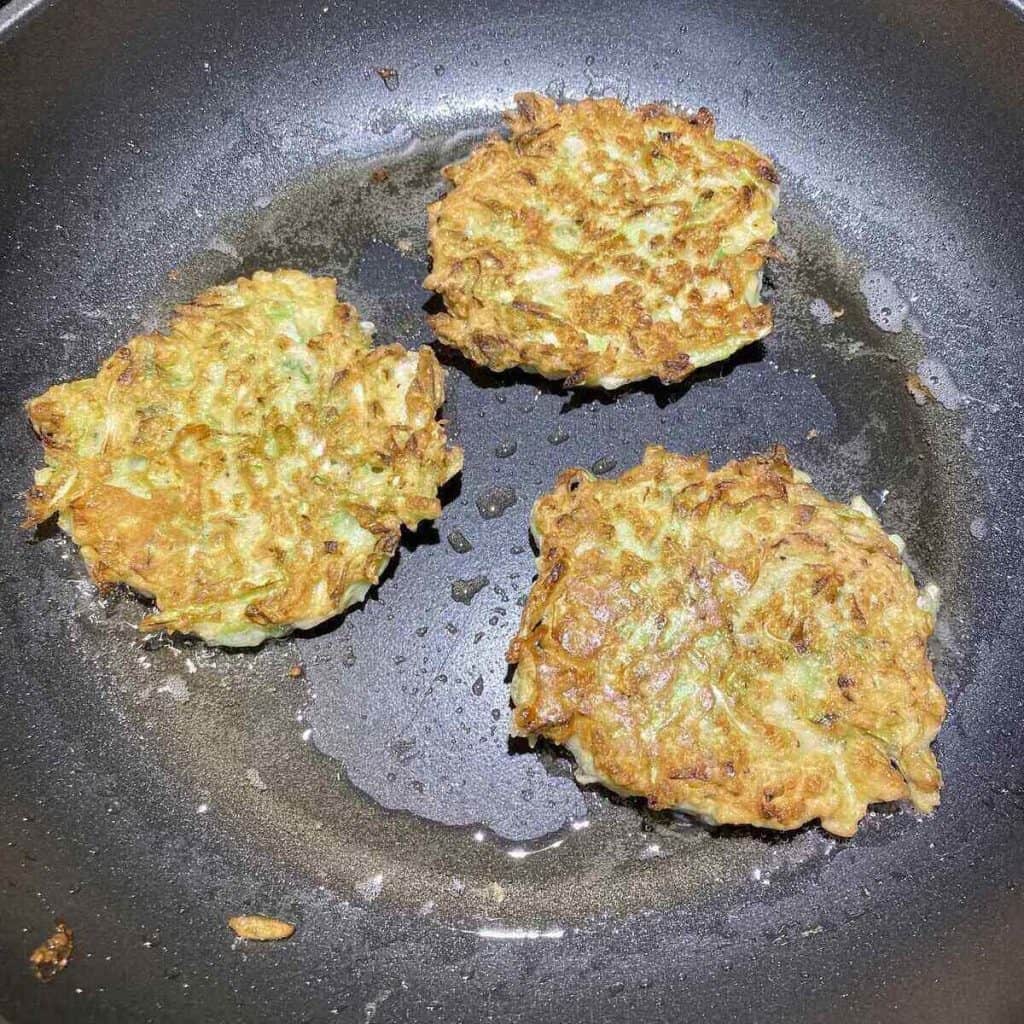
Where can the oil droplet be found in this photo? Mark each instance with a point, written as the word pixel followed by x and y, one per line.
pixel 822 312
pixel 464 591
pixel 559 435
pixel 555 90
pixel 605 464
pixel 370 888
pixel 478 686
pixel 459 542
pixel 439 70
pixel 495 501
pixel 887 308
pixel 348 658
pixel 506 449
pixel 936 376
pixel 421 630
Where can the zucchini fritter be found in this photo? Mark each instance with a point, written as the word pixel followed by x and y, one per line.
pixel 250 469
pixel 729 643
pixel 602 245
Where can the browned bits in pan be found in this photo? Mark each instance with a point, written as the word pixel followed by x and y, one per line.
pixel 52 956
pixel 257 928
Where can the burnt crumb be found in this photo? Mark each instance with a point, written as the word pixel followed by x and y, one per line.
pixel 52 956
pixel 389 76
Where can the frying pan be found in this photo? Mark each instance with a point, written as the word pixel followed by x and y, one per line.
pixel 150 789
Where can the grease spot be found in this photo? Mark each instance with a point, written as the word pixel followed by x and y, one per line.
pixel 464 591
pixel 459 542
pixel 370 888
pixel 176 688
pixel 823 313
pixel 495 501
pixel 936 377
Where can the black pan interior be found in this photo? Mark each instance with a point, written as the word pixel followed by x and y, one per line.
pixel 151 789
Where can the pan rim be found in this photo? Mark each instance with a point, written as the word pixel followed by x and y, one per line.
pixel 17 13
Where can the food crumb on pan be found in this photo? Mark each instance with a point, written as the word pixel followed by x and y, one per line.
pixel 51 957
pixel 295 672
pixel 918 390
pixel 258 928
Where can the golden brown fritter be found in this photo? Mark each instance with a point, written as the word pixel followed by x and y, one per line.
pixel 250 469
pixel 601 245
pixel 729 643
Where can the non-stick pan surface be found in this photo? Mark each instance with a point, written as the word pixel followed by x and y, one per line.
pixel 150 789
